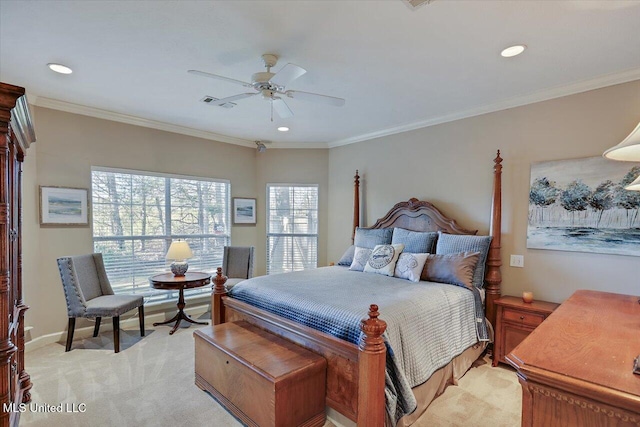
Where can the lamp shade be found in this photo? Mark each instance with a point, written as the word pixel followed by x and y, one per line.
pixel 628 150
pixel 179 250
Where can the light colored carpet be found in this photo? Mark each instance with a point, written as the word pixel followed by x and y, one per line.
pixel 484 397
pixel 151 383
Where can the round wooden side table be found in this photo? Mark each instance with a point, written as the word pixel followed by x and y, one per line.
pixel 169 282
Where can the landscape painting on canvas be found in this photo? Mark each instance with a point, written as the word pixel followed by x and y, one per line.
pixel 581 205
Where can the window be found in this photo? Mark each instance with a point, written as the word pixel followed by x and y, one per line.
pixel 292 227
pixel 136 215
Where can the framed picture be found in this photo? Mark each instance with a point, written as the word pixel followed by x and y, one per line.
pixel 244 211
pixel 582 205
pixel 60 207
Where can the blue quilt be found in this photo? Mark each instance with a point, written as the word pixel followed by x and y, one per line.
pixel 428 324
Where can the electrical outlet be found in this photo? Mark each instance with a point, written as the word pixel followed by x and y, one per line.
pixel 517 261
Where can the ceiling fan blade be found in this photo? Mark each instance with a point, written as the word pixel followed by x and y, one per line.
pixel 232 98
pixel 315 97
pixel 215 76
pixel 287 74
pixel 281 108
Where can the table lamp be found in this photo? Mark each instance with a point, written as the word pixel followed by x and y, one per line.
pixel 628 151
pixel 179 251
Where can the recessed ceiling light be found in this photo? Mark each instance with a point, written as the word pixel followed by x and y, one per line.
pixel 59 68
pixel 513 50
pixel 283 129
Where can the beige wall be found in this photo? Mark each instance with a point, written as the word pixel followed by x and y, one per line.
pixel 448 164
pixel 68 145
pixel 451 165
pixel 297 166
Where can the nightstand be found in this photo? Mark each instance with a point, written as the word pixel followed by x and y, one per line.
pixel 515 320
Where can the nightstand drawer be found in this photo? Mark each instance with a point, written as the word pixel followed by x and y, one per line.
pixel 515 320
pixel 530 319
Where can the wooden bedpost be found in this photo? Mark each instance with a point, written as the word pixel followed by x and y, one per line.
pixel 219 290
pixel 371 371
pixel 356 205
pixel 493 276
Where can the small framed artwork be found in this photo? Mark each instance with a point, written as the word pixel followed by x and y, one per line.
pixel 244 211
pixel 64 207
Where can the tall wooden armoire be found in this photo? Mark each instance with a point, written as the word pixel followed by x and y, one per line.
pixel 16 134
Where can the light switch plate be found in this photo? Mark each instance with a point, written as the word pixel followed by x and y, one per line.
pixel 517 261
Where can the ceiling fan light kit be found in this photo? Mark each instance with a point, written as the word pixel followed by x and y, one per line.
pixel 271 87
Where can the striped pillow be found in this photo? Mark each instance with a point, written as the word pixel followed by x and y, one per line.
pixel 416 242
pixel 371 237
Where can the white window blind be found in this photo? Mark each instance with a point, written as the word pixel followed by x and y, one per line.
pixel 136 215
pixel 292 227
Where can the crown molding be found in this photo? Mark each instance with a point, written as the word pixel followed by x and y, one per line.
pixel 539 96
pixel 133 120
pixel 304 145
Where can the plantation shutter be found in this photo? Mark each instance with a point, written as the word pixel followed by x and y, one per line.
pixel 292 227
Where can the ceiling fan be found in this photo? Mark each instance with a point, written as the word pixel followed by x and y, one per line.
pixel 272 87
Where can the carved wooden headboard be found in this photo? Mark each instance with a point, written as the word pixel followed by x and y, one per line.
pixel 417 215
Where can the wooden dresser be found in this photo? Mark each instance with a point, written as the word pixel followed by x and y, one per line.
pixel 515 320
pixel 16 134
pixel 576 368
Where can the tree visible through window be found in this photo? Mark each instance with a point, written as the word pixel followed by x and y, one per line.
pixel 136 215
pixel 292 227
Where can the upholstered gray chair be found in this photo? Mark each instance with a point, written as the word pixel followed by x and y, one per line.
pixel 89 294
pixel 237 264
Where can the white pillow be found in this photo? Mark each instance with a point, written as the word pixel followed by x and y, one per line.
pixel 410 266
pixel 383 259
pixel 360 257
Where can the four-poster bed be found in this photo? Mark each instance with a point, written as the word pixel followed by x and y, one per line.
pixel 356 372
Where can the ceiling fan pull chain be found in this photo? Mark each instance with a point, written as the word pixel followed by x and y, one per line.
pixel 271 102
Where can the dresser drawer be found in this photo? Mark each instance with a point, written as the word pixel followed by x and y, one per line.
pixel 530 319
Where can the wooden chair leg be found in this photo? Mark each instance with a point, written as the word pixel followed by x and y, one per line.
pixel 96 329
pixel 141 317
pixel 72 327
pixel 116 334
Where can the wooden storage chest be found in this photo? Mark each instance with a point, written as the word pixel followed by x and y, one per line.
pixel 263 379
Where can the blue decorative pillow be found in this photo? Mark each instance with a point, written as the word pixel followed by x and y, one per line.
pixel 454 243
pixel 369 238
pixel 347 257
pixel 416 242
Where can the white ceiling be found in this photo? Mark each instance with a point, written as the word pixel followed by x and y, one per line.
pixel 397 68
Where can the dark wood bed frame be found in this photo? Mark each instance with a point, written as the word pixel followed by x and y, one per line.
pixel 356 374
